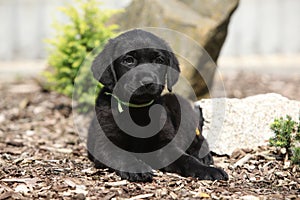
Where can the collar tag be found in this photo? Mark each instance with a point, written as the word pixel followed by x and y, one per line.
pixel 198 133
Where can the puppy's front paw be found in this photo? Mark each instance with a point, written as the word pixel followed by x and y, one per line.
pixel 216 174
pixel 211 173
pixel 136 177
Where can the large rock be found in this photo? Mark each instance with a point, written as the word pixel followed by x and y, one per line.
pixel 243 123
pixel 204 21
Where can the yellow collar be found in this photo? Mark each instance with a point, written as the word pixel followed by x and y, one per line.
pixel 120 103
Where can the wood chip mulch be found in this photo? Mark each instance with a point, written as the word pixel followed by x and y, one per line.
pixel 42 157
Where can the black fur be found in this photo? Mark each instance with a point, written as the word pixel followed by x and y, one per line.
pixel 147 54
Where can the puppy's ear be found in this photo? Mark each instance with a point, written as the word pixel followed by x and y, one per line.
pixel 172 72
pixel 102 67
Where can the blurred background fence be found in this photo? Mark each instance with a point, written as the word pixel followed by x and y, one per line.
pixel 257 27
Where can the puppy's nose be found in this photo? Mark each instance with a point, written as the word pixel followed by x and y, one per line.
pixel 147 80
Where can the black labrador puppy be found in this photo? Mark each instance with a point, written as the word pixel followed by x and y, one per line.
pixel 136 129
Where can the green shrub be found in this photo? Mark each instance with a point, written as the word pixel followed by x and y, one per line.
pixel 287 135
pixel 73 44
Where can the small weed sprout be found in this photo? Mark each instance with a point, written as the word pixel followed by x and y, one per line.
pixel 287 136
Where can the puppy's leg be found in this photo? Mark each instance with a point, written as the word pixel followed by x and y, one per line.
pixel 200 147
pixel 136 177
pixel 188 165
pixel 200 150
pixel 105 154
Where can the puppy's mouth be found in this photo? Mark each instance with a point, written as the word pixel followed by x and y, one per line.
pixel 145 93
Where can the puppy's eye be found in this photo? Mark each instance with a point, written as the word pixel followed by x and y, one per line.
pixel 129 61
pixel 160 60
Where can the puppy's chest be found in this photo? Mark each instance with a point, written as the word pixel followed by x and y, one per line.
pixel 139 133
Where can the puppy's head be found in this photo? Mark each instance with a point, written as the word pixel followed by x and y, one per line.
pixel 141 60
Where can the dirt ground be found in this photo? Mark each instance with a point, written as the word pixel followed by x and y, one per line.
pixel 243 84
pixel 42 157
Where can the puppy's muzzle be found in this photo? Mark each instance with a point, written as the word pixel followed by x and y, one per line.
pixel 150 85
pixel 145 79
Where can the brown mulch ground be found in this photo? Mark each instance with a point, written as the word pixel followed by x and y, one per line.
pixel 42 157
pixel 242 84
